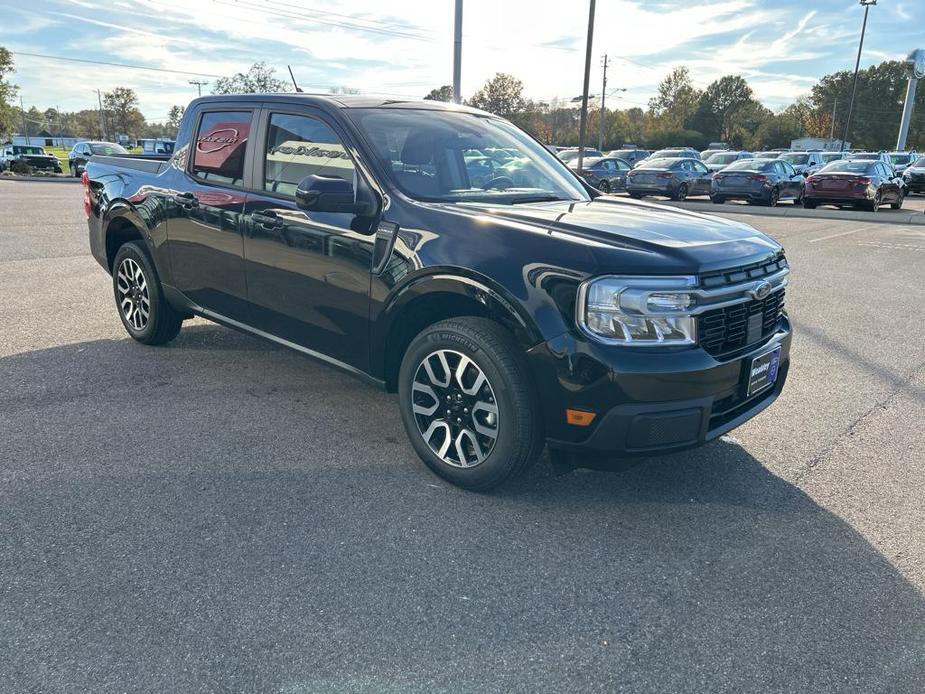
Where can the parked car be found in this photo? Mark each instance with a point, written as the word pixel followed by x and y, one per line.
pixel 871 156
pixel 914 176
pixel 861 183
pixel 30 155
pixel 902 160
pixel 763 181
pixel 629 155
pixel 607 174
pixel 157 146
pixel 673 152
pixel 768 154
pixel 505 317
pixel 571 154
pixel 82 151
pixel 676 177
pixel 829 157
pixel 803 163
pixel 720 160
pixel 707 153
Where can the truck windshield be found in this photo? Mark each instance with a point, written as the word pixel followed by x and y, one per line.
pixel 27 150
pixel 425 153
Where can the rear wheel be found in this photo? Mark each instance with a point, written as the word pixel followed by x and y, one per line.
pixel 145 313
pixel 809 204
pixel 680 193
pixel 636 196
pixel 874 205
pixel 73 168
pixel 773 197
pixel 604 187
pixel 717 199
pixel 898 205
pixel 468 404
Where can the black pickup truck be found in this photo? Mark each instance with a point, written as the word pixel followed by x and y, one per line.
pixel 523 310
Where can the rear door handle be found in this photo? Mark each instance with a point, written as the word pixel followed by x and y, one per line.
pixel 268 220
pixel 186 200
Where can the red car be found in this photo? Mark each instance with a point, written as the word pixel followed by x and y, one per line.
pixel 856 182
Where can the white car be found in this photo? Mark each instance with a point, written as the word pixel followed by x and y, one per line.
pixel 805 163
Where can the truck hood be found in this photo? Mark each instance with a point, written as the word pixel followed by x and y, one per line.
pixel 688 239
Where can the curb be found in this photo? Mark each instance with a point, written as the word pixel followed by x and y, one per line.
pixel 56 179
pixel 885 217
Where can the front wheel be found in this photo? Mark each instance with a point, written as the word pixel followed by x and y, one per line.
pixel 636 196
pixel 717 199
pixel 898 205
pixel 468 404
pixel 143 309
pixel 809 204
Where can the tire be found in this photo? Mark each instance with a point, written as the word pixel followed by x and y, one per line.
pixel 874 205
pixel 680 193
pixel 898 205
pixel 505 438
pixel 717 199
pixel 604 187
pixel 809 204
pixel 73 168
pixel 135 284
pixel 636 196
pixel 798 200
pixel 773 198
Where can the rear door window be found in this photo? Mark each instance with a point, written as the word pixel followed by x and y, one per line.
pixel 298 146
pixel 221 142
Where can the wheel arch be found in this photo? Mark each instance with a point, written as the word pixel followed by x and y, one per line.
pixel 122 225
pixel 429 299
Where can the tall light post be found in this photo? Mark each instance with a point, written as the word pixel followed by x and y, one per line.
pixel 857 64
pixel 457 52
pixel 200 84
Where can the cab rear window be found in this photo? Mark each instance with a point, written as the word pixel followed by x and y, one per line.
pixel 218 155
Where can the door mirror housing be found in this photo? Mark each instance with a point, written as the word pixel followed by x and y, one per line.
pixel 330 194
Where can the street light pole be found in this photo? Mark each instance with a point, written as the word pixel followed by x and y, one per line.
pixel 857 64
pixel 600 134
pixel 199 83
pixel 583 121
pixel 457 53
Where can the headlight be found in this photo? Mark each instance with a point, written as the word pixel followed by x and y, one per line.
pixel 638 311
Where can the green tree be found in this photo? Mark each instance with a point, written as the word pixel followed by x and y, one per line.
pixel 501 95
pixel 258 79
pixel 677 99
pixel 122 105
pixel 8 92
pixel 444 93
pixel 174 116
pixel 719 105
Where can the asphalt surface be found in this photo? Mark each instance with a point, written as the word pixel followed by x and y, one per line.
pixel 224 515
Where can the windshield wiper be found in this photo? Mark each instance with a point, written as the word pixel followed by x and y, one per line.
pixel 536 198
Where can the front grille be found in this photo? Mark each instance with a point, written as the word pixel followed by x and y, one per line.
pixel 732 328
pixel 720 278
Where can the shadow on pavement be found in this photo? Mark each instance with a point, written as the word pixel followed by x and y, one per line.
pixel 219 516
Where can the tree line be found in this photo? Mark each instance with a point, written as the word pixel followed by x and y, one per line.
pixel 678 114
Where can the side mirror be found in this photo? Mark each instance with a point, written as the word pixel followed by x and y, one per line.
pixel 329 194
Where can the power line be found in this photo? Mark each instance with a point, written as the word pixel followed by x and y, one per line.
pixel 104 62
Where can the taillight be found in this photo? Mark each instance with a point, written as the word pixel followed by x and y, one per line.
pixel 718 176
pixel 666 174
pixel 85 180
pixel 864 180
pixel 758 177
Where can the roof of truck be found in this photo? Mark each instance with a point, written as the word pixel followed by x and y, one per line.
pixel 340 101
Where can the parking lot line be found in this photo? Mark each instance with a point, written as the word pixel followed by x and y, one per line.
pixel 835 236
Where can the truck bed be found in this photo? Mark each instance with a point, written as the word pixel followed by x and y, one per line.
pixel 148 163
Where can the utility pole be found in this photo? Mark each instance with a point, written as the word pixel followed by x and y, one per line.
pixel 583 122
pixel 25 128
pixel 834 110
pixel 600 134
pixel 457 53
pixel 99 98
pixel 857 65
pixel 200 84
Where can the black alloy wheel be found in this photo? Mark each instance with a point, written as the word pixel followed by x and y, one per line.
pixel 144 311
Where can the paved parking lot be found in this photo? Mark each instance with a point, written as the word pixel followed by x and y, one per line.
pixel 224 515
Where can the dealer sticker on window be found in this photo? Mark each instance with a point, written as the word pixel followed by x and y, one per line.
pixel 763 372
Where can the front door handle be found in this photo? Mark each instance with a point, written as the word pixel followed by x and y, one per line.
pixel 268 220
pixel 186 200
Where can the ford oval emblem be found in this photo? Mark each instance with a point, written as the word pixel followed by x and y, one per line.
pixel 761 290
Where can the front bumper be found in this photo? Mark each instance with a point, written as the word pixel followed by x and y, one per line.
pixel 646 401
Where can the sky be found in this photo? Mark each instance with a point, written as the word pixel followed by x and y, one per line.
pixel 404 48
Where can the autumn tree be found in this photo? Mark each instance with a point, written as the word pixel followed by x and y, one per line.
pixel 501 95
pixel 258 79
